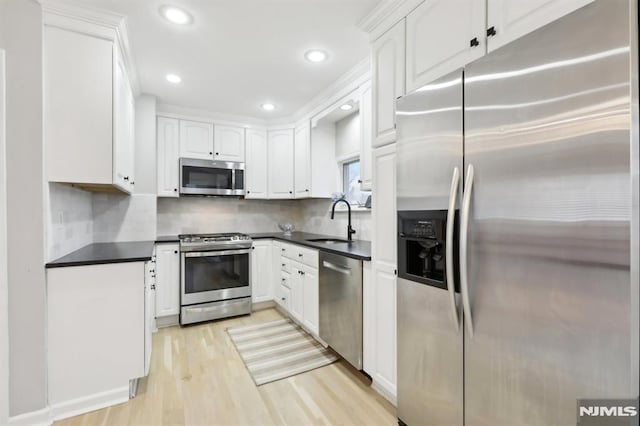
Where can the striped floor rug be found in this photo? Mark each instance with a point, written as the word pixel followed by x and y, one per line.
pixel 278 349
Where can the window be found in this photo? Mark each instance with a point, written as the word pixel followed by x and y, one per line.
pixel 351 183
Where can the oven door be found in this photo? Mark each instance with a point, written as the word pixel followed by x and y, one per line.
pixel 207 177
pixel 215 275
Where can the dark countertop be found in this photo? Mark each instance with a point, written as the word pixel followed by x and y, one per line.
pixel 356 249
pixel 101 253
pixel 168 239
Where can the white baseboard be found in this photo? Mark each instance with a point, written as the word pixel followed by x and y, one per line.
pixel 266 304
pixel 89 403
pixel 35 418
pixel 389 395
pixel 168 321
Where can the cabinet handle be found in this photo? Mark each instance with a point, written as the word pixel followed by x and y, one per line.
pixel 474 42
pixel 307 190
pixel 359 180
pixel 282 249
pixel 211 153
pixel 290 192
pixel 299 254
pixel 217 153
pixel 491 31
pixel 175 189
pixel 284 279
pixel 175 252
pixel 126 178
pixel 283 299
pixel 283 264
pixel 248 192
pixel 152 270
pixel 153 286
pixel 153 276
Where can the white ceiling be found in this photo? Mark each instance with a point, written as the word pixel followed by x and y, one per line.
pixel 239 54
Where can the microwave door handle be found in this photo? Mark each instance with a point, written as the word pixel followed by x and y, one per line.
pixel 451 215
pixel 233 179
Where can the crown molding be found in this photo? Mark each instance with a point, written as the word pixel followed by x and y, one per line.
pixel 97 22
pixel 385 15
pixel 194 114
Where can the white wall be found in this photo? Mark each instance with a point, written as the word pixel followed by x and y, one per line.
pixel 348 136
pixel 21 28
pixel 120 217
pixel 4 317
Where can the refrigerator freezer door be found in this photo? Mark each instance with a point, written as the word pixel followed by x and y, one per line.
pixel 430 363
pixel 429 149
pixel 429 144
pixel 547 130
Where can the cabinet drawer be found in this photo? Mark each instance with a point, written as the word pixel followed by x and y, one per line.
pixel 285 279
pixel 283 297
pixel 285 265
pixel 287 250
pixel 307 256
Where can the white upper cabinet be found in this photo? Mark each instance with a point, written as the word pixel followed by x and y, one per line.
pixel 302 162
pixel 88 112
pixel 196 140
pixel 281 163
pixel 443 35
pixel 256 166
pixel 168 154
pixel 228 143
pixel 365 137
pixel 508 20
pixel 124 140
pixel 388 74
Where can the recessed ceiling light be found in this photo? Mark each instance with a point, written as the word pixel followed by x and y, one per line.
pixel 172 78
pixel 346 107
pixel 268 107
pixel 316 56
pixel 176 15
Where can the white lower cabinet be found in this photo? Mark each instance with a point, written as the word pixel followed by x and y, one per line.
pixel 95 335
pixel 167 279
pixel 149 310
pixel 380 294
pixel 296 282
pixel 261 283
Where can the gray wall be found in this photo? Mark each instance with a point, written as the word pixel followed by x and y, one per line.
pixel 21 24
pixel 69 219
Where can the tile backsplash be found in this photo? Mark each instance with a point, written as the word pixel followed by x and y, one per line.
pixel 188 215
pixel 203 215
pixel 120 217
pixel 70 220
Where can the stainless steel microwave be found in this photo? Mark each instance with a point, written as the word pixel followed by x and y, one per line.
pixel 208 177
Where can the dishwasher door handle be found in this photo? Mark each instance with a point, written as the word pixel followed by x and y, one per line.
pixel 334 267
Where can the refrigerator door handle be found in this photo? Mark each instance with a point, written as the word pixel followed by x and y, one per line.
pixel 451 215
pixel 464 231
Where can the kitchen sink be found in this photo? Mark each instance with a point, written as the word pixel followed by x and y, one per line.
pixel 327 240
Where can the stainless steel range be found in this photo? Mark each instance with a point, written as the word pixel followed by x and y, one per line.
pixel 215 276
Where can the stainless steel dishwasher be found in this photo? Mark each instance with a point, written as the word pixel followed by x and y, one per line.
pixel 341 306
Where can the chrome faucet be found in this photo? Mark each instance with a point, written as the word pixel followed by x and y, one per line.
pixel 350 230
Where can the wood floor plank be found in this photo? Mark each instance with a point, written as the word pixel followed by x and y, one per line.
pixel 197 378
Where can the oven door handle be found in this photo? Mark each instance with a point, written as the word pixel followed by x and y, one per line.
pixel 215 253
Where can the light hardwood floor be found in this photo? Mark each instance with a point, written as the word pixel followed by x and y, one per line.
pixel 198 378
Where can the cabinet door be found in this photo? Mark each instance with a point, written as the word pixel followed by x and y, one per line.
pixel 256 169
pixel 508 20
pixel 383 212
pixel 78 107
pixel 228 143
pixel 281 163
pixel 388 64
pixel 442 36
pixel 167 280
pixel 149 311
pixel 302 163
pixel 196 140
pixel 385 362
pixel 384 261
pixel 284 298
pixel 168 149
pixel 311 299
pixel 365 135
pixel 261 272
pixel 296 302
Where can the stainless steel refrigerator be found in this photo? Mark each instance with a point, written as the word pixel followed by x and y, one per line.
pixel 518 228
